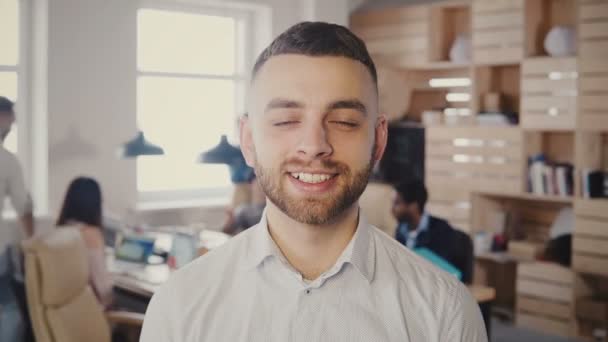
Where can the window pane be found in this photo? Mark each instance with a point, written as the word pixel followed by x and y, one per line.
pixel 9 32
pixel 8 88
pixel 10 143
pixel 8 84
pixel 185 117
pixel 185 43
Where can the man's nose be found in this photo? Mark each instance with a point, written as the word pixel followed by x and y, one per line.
pixel 314 143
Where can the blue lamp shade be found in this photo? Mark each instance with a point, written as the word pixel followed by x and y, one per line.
pixel 139 146
pixel 224 153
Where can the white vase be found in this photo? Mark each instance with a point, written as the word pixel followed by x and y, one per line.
pixel 561 41
pixel 460 52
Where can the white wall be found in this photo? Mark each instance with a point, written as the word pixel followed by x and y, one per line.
pixel 92 89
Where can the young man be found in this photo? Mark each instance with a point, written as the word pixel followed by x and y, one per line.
pixel 313 269
pixel 416 229
pixel 11 177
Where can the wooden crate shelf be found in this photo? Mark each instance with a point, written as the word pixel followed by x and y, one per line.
pixel 477 158
pixel 448 21
pixel 498 31
pixel 549 93
pixel 503 80
pixel 545 298
pixel 395 36
pixel 593 32
pixel 590 242
pixel 541 16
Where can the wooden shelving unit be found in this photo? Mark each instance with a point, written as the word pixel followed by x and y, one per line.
pixel 473 171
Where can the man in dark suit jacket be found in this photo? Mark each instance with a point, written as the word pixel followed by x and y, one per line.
pixel 416 229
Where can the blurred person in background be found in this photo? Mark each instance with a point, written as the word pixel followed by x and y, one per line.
pixel 82 208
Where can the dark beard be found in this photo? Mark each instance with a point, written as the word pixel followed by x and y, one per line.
pixel 315 211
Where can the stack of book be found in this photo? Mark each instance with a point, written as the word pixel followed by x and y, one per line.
pixel 594 183
pixel 550 178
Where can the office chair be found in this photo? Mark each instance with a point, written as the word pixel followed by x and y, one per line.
pixel 62 305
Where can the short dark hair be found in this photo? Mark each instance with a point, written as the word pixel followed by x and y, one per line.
pixel 318 39
pixel 413 191
pixel 6 105
pixel 82 203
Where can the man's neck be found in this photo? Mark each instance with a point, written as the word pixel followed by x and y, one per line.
pixel 311 250
pixel 412 226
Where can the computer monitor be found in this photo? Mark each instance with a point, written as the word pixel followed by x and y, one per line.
pixel 183 250
pixel 134 248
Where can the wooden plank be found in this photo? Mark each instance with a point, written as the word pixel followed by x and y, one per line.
pixel 390 45
pixel 593 49
pixel 564 87
pixel 498 38
pixel 450 211
pixel 502 55
pixel 591 67
pixel 444 150
pixel 419 28
pixel 593 11
pixel 594 121
pixel 592 246
pixel 546 325
pixel 593 30
pixel 590 264
pixel 587 102
pixel 556 292
pixel 545 65
pixel 484 6
pixel 594 84
pixel 546 271
pixel 447 191
pixel 592 208
pixel 590 227
pixel 544 307
pixel 390 15
pixel 542 103
pixel 498 169
pixel 403 59
pixel 442 133
pixel 565 121
pixel 498 20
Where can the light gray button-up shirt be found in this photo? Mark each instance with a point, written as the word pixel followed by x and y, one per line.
pixel 376 291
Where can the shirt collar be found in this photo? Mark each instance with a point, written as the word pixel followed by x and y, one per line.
pixel 359 252
pixel 423 225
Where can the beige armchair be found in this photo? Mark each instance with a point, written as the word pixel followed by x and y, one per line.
pixel 376 203
pixel 62 305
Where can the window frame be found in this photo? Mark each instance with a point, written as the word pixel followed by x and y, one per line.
pixel 22 108
pixel 244 18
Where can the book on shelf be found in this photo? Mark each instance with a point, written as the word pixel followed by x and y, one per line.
pixel 550 178
pixel 594 183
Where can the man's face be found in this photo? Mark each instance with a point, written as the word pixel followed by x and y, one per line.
pixel 404 212
pixel 6 121
pixel 313 134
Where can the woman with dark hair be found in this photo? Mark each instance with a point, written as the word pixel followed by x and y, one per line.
pixel 82 209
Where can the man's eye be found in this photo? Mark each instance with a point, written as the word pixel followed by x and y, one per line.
pixel 348 124
pixel 285 123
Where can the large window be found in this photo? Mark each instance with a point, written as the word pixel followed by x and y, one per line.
pixel 189 92
pixel 9 59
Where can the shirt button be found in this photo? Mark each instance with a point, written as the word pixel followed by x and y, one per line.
pixel 307 291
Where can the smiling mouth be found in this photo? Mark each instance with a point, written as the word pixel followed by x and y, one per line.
pixel 312 178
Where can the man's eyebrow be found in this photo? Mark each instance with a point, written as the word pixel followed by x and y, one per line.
pixel 348 104
pixel 280 103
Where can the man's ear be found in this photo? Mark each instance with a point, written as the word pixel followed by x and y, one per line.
pixel 381 137
pixel 246 138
